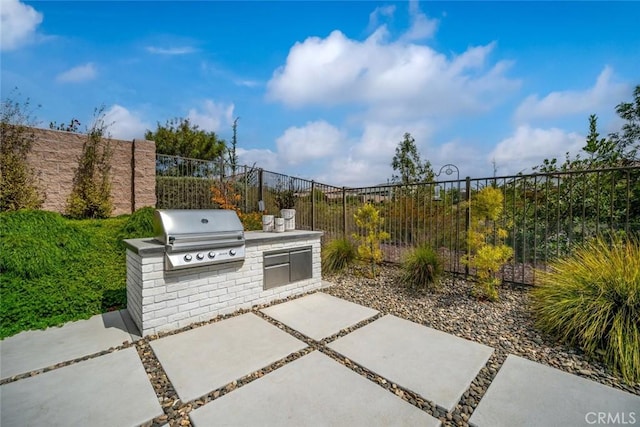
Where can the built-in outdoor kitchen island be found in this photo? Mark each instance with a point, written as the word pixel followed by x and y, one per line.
pixel 165 294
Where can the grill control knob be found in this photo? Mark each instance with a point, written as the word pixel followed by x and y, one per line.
pixel 200 256
pixel 212 254
pixel 187 257
pixel 232 252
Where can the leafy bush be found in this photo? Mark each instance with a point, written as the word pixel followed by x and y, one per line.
pixel 184 192
pixel 284 195
pixel 139 224
pixel 251 220
pixel 592 299
pixel 421 269
pixel 226 194
pixel 368 218
pixel 337 254
pixel 18 181
pixel 91 192
pixel 485 239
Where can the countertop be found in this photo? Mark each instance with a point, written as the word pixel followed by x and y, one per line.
pixel 150 246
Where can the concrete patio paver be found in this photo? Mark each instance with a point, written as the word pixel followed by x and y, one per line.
pixel 202 359
pixel 32 350
pixel 319 315
pixel 436 365
pixel 526 393
pixel 109 390
pixel 311 391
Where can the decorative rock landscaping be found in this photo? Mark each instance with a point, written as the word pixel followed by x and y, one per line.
pixel 505 326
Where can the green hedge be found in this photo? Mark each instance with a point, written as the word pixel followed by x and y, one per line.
pixel 183 193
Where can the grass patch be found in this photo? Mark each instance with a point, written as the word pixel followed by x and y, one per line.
pixel 54 270
pixel 592 299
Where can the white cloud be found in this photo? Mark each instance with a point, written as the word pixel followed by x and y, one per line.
pixel 182 50
pixel 262 158
pixel 528 147
pixel 366 159
pixel 246 83
pixel 124 124
pixel 81 73
pixel 409 79
pixel 604 93
pixel 313 141
pixel 380 13
pixel 421 26
pixel 18 24
pixel 212 116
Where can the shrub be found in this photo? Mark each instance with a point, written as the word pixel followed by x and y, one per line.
pixel 226 194
pixel 421 269
pixel 368 218
pixel 138 225
pixel 337 254
pixel 184 192
pixel 485 240
pixel 91 193
pixel 18 181
pixel 284 196
pixel 592 299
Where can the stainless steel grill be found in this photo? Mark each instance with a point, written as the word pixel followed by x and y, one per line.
pixel 199 237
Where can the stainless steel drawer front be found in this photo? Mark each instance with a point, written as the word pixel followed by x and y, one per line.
pixel 276 258
pixel 301 264
pixel 276 275
pixel 287 266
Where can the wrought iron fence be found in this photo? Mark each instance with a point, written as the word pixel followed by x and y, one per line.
pixel 545 215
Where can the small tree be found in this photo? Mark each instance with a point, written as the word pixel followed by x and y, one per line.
pixel 91 193
pixel 233 156
pixel 368 218
pixel 407 163
pixel 18 181
pixel 226 194
pixel 487 250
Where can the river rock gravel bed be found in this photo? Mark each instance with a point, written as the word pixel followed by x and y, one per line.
pixel 506 325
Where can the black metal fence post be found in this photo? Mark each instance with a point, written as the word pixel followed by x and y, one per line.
pixel 467 221
pixel 260 184
pixel 313 205
pixel 344 212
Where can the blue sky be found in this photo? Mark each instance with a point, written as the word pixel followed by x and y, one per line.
pixel 326 90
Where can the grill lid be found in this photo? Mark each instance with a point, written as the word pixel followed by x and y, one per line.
pixel 189 228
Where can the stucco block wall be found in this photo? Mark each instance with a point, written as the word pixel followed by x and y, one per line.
pixel 55 155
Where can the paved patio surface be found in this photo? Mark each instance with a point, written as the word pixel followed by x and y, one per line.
pixel 32 350
pixel 113 388
pixel 202 359
pixel 436 365
pixel 526 393
pixel 319 315
pixel 314 390
pixel 110 390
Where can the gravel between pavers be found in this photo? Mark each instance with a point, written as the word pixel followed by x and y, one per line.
pixel 506 325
